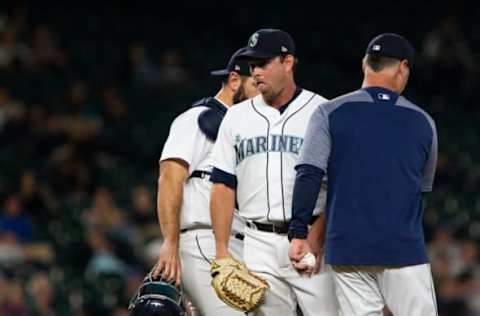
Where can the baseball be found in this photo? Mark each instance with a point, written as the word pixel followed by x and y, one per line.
pixel 309 259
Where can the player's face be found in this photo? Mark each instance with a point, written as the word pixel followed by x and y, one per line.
pixel 269 75
pixel 248 89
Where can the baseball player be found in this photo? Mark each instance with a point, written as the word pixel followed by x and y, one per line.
pixel 184 191
pixel 379 151
pixel 257 148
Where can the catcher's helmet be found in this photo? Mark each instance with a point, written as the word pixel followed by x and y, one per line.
pixel 156 298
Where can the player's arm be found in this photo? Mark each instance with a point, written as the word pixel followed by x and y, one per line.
pixel 178 156
pixel 222 200
pixel 222 204
pixel 173 174
pixel 310 171
pixel 305 194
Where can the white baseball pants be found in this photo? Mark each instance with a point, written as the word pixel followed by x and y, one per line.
pixel 197 249
pixel 365 290
pixel 266 254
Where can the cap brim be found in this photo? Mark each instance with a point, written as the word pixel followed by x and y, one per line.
pixel 222 72
pixel 254 54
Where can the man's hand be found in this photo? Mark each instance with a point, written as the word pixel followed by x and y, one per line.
pixel 317 249
pixel 298 249
pixel 168 265
pixel 316 240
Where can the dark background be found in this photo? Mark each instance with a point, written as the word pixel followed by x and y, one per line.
pixel 88 90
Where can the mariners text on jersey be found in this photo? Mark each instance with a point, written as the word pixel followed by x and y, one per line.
pixel 247 147
pixel 256 151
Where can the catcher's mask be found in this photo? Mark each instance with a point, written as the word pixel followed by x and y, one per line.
pixel 156 298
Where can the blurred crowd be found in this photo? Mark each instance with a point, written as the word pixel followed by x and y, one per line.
pixel 72 242
pixel 78 168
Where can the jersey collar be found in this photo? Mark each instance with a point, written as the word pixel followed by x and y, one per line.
pixel 382 95
pixel 220 102
pixel 297 92
pixel 274 114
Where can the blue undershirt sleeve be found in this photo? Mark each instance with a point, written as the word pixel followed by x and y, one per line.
pixel 305 194
pixel 220 176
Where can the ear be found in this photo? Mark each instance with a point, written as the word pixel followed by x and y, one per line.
pixel 289 62
pixel 234 81
pixel 402 75
pixel 403 69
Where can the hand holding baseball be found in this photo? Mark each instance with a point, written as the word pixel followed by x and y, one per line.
pixel 301 256
pixel 309 260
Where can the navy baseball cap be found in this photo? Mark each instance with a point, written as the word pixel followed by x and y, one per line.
pixel 236 64
pixel 269 43
pixel 393 46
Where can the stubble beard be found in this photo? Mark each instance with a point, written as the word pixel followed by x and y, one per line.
pixel 239 96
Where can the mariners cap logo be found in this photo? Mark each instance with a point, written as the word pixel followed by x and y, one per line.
pixel 252 42
pixel 284 49
pixel 376 48
pixel 237 68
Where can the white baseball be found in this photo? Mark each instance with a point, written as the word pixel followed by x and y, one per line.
pixel 309 260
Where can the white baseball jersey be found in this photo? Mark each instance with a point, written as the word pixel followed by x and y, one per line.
pixel 197 246
pixel 187 142
pixel 261 146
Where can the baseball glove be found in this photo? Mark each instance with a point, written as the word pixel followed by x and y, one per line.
pixel 236 285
